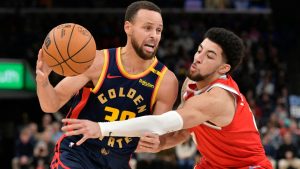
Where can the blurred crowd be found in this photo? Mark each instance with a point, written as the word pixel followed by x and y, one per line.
pixel 211 4
pixel 262 79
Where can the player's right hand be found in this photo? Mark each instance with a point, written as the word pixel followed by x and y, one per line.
pixel 149 143
pixel 88 129
pixel 42 69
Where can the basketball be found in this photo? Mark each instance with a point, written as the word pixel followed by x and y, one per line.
pixel 69 49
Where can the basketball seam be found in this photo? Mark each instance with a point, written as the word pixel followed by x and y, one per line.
pixel 58 51
pixel 64 61
pixel 81 50
pixel 70 57
pixel 53 58
pixel 69 42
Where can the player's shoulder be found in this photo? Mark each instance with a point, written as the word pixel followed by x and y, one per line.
pixel 170 77
pixel 169 82
pixel 100 52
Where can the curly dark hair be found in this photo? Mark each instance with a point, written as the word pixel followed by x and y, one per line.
pixel 231 44
pixel 133 8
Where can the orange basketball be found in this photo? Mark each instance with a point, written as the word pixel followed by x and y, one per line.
pixel 69 49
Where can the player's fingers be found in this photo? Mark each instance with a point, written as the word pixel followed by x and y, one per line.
pixel 70 127
pixel 75 132
pixel 146 149
pixel 150 141
pixel 39 72
pixel 39 64
pixel 148 145
pixel 150 135
pixel 141 148
pixel 150 138
pixel 40 54
pixel 81 140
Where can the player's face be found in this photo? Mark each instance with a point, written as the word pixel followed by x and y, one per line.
pixel 146 33
pixel 207 61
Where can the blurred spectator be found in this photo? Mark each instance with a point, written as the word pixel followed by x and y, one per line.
pixel 266 85
pixel 269 148
pixel 241 4
pixel 23 150
pixel 44 150
pixel 287 153
pixel 33 127
pixel 57 133
pixel 185 153
pixel 266 104
pixel 282 114
pixel 272 131
pixel 217 4
pixel 46 121
pixel 190 5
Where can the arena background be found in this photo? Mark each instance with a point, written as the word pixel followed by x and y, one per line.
pixel 269 76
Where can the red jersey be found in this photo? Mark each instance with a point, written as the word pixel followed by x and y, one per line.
pixel 236 145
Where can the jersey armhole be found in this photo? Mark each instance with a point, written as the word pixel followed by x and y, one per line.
pixel 157 85
pixel 103 72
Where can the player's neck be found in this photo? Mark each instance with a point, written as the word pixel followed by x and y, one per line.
pixel 132 63
pixel 202 84
pixel 207 81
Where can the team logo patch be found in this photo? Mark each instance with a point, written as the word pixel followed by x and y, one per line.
pixel 146 84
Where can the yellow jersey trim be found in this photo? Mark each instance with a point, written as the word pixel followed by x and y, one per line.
pixel 157 84
pixel 103 73
pixel 132 76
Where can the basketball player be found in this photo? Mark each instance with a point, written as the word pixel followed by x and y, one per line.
pixel 129 82
pixel 214 110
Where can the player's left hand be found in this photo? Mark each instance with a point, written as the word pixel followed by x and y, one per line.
pixel 149 143
pixel 87 128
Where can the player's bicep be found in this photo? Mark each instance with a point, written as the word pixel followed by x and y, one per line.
pixel 204 107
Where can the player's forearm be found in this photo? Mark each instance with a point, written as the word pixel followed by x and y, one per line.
pixel 170 140
pixel 47 97
pixel 137 127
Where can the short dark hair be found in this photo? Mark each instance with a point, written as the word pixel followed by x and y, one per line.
pixel 231 44
pixel 133 8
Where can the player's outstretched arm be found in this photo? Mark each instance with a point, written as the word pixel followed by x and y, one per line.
pixel 214 105
pixel 136 127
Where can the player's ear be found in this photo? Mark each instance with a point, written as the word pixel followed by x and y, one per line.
pixel 224 68
pixel 127 27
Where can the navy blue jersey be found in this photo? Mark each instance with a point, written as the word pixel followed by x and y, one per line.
pixel 117 96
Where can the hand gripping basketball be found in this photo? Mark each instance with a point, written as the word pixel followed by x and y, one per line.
pixel 69 49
